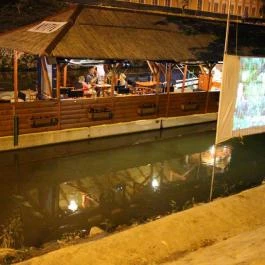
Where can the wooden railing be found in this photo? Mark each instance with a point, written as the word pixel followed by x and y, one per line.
pixel 40 116
pixel 6 119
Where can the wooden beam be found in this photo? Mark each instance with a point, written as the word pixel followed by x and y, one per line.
pixel 58 80
pixel 65 75
pixel 151 67
pixel 211 66
pixel 168 76
pixel 202 69
pixel 113 80
pixel 184 78
pixel 162 69
pixel 168 79
pixel 16 75
pixel 156 73
pixel 58 84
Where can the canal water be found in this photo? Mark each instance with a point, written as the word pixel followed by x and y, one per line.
pixel 49 192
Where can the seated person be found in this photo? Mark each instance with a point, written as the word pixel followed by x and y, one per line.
pixel 122 80
pixel 81 80
pixel 87 88
pixel 91 77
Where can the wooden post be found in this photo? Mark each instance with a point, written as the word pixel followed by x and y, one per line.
pixel 162 69
pixel 156 76
pixel 211 66
pixel 58 80
pixel 150 65
pixel 65 75
pixel 15 117
pixel 58 83
pixel 16 76
pixel 168 79
pixel 184 77
pixel 113 80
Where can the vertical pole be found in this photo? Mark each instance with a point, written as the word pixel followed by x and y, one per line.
pixel 184 77
pixel 227 27
pixel 58 80
pixel 15 129
pixel 157 73
pixel 168 79
pixel 65 75
pixel 15 117
pixel 211 66
pixel 213 173
pixel 225 52
pixel 113 80
pixel 16 76
pixel 151 69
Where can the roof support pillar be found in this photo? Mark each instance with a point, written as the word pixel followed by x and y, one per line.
pixel 65 75
pixel 113 79
pixel 209 81
pixel 150 65
pixel 184 77
pixel 168 80
pixel 58 80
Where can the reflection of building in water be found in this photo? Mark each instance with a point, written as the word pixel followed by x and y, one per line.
pixel 123 185
pixel 221 161
pixel 222 157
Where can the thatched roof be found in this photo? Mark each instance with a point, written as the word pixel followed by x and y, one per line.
pixel 32 42
pixel 99 32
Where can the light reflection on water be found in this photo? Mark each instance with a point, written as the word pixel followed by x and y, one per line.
pixel 121 180
pixel 219 157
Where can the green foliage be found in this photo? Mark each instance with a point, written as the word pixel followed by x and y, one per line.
pixel 22 12
pixel 12 233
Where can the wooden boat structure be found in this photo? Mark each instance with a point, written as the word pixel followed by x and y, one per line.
pixel 115 35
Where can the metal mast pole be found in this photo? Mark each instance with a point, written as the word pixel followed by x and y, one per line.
pixel 227 27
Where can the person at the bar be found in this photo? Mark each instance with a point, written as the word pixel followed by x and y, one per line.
pixel 92 78
pixel 88 90
pixel 122 80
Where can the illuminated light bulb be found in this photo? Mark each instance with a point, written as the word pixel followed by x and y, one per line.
pixel 155 183
pixel 212 150
pixel 73 206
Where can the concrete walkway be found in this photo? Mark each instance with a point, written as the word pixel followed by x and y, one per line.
pixel 171 238
pixel 245 248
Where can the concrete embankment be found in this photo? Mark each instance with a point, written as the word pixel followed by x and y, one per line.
pixel 171 238
pixel 244 249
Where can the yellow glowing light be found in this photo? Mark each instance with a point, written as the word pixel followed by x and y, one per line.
pixel 155 183
pixel 212 150
pixel 73 206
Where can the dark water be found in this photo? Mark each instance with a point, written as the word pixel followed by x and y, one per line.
pixel 50 191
